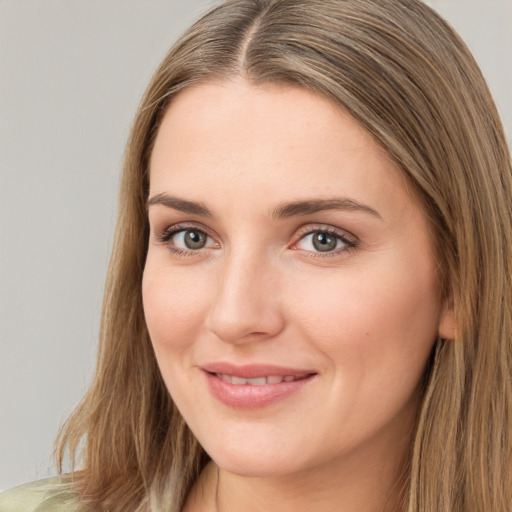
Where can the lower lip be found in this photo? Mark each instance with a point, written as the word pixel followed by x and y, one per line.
pixel 247 396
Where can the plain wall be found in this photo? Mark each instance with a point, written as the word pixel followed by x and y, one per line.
pixel 71 76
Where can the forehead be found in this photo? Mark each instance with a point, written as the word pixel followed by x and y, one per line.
pixel 241 108
pixel 237 138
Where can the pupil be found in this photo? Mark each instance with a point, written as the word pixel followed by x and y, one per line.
pixel 195 239
pixel 323 242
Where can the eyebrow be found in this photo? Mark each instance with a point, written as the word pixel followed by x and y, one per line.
pixel 180 204
pixel 307 207
pixel 286 210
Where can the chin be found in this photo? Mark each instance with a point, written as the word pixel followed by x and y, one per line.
pixel 259 458
pixel 255 465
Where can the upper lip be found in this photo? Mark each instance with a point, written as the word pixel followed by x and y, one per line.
pixel 252 371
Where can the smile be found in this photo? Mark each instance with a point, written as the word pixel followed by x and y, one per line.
pixel 259 381
pixel 254 386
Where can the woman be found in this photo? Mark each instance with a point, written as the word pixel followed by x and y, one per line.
pixel 309 300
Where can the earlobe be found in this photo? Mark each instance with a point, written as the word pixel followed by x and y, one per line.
pixel 447 324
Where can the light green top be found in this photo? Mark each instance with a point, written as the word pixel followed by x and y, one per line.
pixel 50 495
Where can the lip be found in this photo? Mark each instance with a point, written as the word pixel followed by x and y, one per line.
pixel 252 371
pixel 252 396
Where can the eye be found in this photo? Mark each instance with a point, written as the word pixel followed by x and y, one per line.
pixel 325 241
pixel 190 239
pixel 183 239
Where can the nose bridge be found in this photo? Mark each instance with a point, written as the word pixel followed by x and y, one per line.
pixel 244 304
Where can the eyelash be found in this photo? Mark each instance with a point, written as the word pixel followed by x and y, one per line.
pixel 351 243
pixel 170 232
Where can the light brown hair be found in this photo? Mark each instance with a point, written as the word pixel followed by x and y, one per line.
pixel 403 73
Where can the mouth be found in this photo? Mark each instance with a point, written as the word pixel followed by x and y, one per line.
pixel 259 381
pixel 254 386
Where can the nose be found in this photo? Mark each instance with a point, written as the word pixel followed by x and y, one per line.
pixel 246 306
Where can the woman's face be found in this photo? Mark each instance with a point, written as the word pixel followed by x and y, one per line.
pixel 290 288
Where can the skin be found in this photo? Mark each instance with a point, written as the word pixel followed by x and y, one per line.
pixel 364 318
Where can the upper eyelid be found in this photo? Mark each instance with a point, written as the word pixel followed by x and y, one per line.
pixel 325 228
pixel 183 226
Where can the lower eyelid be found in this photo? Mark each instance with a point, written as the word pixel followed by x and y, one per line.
pixel 167 239
pixel 336 253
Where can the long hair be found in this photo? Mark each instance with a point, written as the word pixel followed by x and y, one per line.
pixel 403 74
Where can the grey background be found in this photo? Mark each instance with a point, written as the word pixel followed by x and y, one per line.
pixel 71 75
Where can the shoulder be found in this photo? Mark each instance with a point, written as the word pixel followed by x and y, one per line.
pixel 50 495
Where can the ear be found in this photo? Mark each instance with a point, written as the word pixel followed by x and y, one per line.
pixel 447 324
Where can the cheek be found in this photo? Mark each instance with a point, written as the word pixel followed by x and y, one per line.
pixel 372 323
pixel 174 302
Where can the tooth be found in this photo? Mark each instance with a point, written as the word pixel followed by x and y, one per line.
pixel 259 381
